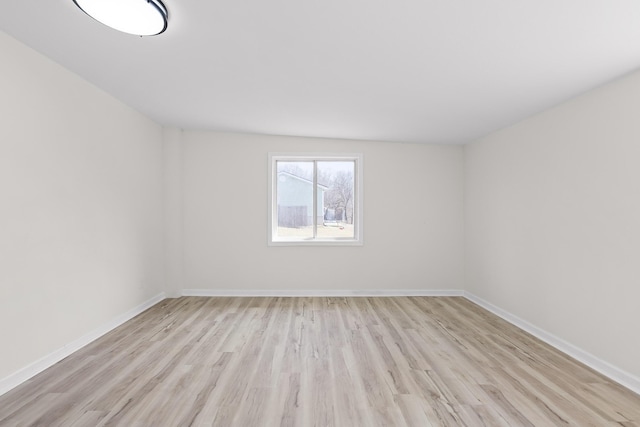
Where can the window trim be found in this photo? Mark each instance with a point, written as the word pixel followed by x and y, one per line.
pixel 272 203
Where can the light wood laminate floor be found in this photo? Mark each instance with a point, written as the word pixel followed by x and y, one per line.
pixel 402 361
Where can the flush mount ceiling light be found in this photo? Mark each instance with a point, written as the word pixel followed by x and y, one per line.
pixel 139 17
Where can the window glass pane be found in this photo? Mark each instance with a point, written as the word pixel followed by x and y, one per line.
pixel 336 199
pixel 295 199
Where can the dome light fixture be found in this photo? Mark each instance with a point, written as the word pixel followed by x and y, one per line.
pixel 139 17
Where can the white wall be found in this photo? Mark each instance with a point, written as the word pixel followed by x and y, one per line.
pixel 173 219
pixel 412 218
pixel 553 221
pixel 80 207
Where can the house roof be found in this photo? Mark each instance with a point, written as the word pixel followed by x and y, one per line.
pixel 324 187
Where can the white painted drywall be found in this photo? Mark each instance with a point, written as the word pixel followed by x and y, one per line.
pixel 80 207
pixel 173 220
pixel 552 223
pixel 413 216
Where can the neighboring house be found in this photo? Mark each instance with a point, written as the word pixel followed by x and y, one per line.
pixel 295 201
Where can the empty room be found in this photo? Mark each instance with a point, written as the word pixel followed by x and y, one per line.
pixel 416 213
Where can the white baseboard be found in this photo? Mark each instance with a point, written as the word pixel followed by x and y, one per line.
pixel 320 293
pixel 51 359
pixel 618 375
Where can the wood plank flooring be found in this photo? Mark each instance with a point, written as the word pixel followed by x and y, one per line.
pixel 402 361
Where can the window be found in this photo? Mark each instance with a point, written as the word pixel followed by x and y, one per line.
pixel 315 199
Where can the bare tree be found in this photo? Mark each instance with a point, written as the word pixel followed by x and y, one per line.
pixel 294 168
pixel 340 194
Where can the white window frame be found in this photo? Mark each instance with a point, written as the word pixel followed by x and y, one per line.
pixel 272 237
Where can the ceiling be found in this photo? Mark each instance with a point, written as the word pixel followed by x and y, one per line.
pixel 428 71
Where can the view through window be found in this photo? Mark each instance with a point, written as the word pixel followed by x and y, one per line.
pixel 315 199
